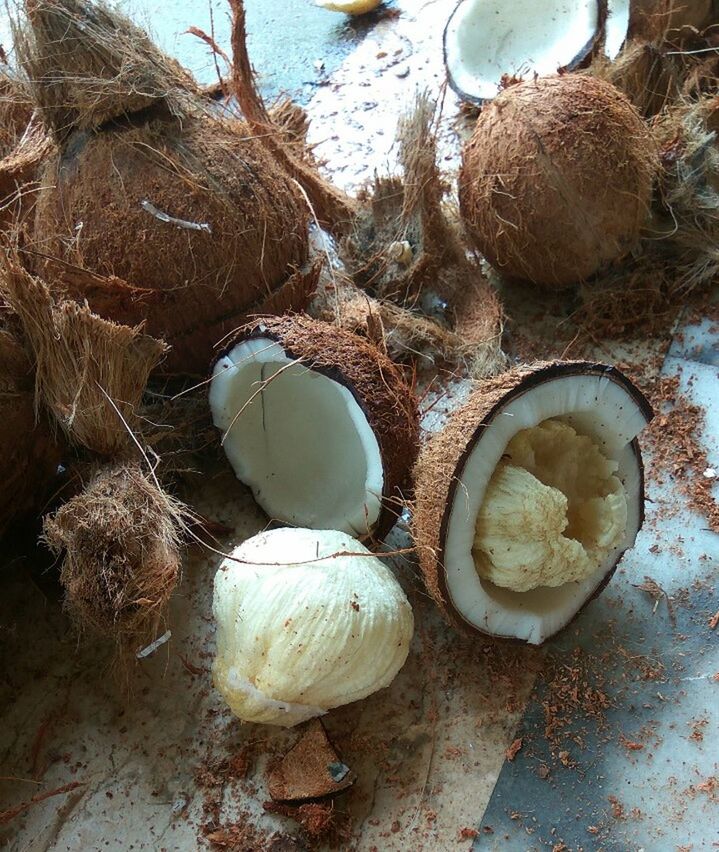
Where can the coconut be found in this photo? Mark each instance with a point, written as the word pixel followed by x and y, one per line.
pixel 527 499
pixel 15 112
pixel 121 562
pixel 656 20
pixel 557 178
pixel 183 205
pixel 318 422
pixel 31 457
pixel 489 41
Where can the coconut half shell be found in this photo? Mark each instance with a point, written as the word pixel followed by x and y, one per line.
pixel 557 179
pixel 352 390
pixel 456 464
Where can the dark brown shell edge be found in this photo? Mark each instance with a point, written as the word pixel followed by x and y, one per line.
pixel 442 461
pixel 376 383
pixel 579 59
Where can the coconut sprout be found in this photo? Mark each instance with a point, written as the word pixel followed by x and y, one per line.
pixel 319 423
pixel 557 179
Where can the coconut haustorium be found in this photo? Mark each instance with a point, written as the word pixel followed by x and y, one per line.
pixel 184 212
pixel 527 499
pixel 318 422
pixel 556 179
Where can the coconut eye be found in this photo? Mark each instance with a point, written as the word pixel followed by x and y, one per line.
pixel 528 498
pixel 318 423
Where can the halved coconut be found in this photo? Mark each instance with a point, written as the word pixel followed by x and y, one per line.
pixel 488 41
pixel 318 422
pixel 349 7
pixel 528 498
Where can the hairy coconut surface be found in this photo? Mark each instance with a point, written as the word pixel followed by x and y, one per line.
pixel 375 383
pixel 193 212
pixel 88 64
pixel 656 20
pixel 557 178
pixel 121 555
pixel 407 252
pixel 15 112
pixel 90 373
pixel 443 481
pixel 31 454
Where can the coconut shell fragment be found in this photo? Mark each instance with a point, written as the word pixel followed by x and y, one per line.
pixel 455 467
pixel 556 180
pixel 311 769
pixel 346 366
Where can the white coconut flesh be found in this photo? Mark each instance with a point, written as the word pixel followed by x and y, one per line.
pixel 616 27
pixel 298 439
pixel 521 556
pixel 488 39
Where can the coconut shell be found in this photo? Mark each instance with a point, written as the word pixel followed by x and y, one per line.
pixel 377 385
pixel 443 457
pixel 31 454
pixel 237 228
pixel 120 540
pixel 556 179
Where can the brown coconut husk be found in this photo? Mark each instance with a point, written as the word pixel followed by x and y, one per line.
pixel 15 112
pixel 90 373
pixel 88 64
pixel 646 73
pixel 557 178
pixel 331 207
pixel 120 540
pixel 20 178
pixel 444 455
pixel 376 383
pixel 31 455
pixel 677 255
pixel 660 20
pixel 406 250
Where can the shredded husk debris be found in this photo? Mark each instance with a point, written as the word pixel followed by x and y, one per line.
pixel 121 543
pixel 415 280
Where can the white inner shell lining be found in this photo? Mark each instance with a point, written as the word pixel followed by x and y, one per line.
pixel 595 405
pixel 486 39
pixel 302 443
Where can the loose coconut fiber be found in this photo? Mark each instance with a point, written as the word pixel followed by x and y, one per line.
pixel 88 64
pixel 557 178
pixel 120 539
pixel 407 252
pixel 90 373
pixel 15 112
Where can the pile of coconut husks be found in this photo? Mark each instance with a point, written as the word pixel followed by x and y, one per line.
pixel 182 288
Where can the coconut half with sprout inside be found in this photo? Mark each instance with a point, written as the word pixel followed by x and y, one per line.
pixel 528 498
pixel 487 42
pixel 318 422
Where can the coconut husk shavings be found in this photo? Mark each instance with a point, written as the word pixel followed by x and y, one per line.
pixel 406 252
pixel 15 112
pixel 90 373
pixel 121 543
pixel 87 64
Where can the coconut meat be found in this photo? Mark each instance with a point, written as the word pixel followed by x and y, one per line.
pixel 616 27
pixel 580 481
pixel 298 439
pixel 488 39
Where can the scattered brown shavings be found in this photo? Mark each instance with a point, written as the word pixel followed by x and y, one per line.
pixel 653 588
pixel 320 820
pixel 710 788
pixel 698 725
pixel 618 811
pixel 674 437
pixel 467 834
pixel 513 749
pixel 630 745
pixel 311 769
pixel 714 621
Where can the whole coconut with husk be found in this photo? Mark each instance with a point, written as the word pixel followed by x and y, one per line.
pixel 556 179
pixel 185 214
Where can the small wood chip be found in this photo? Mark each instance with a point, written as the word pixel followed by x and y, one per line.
pixel 511 752
pixel 311 769
pixel 714 620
